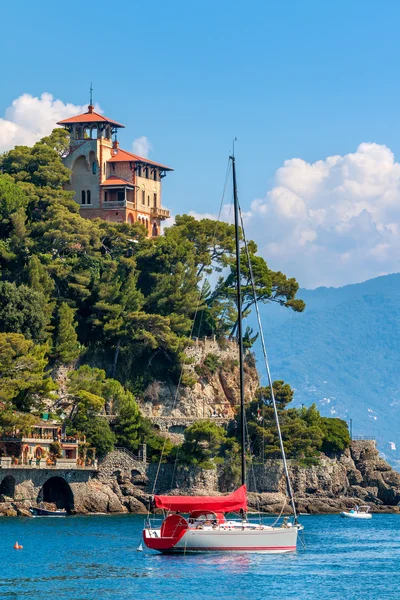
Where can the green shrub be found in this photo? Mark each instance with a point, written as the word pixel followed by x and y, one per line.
pixel 212 362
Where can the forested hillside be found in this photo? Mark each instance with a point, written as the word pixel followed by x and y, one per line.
pixel 343 353
pixel 112 311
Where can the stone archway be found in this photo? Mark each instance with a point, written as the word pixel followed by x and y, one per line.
pixel 7 487
pixel 57 491
pixel 177 429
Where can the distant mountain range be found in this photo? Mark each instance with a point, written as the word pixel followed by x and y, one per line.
pixel 343 353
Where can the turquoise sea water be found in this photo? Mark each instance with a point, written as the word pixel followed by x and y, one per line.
pixel 95 558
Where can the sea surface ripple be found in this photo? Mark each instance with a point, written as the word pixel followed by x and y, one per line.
pixel 95 558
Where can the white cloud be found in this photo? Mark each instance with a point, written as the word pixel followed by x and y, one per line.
pixel 141 146
pixel 29 118
pixel 334 221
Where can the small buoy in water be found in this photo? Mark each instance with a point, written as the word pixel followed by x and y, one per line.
pixel 17 546
pixel 139 548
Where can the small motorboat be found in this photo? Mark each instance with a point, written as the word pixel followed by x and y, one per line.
pixel 358 512
pixel 44 512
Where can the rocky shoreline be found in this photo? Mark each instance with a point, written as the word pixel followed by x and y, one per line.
pixel 124 485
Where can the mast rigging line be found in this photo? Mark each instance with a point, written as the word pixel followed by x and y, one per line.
pixel 240 324
pixel 264 349
pixel 191 331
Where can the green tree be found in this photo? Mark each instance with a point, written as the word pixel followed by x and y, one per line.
pixel 12 420
pixel 38 277
pixel 213 241
pixel 127 424
pixel 41 164
pixel 336 436
pixel 67 346
pixel 283 394
pixel 55 449
pixel 203 441
pixel 24 382
pixel 270 286
pixel 58 140
pixel 12 198
pixel 22 310
pixel 98 435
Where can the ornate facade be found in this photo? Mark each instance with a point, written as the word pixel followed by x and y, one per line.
pixel 109 182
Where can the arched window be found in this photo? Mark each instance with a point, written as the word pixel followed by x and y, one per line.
pixel 155 200
pixel 94 167
pixel 83 197
pixel 143 197
pixel 148 200
pixel 146 172
pixel 155 174
pixel 88 200
pixel 155 230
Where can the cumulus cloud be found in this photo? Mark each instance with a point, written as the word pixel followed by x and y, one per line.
pixel 141 146
pixel 29 118
pixel 334 221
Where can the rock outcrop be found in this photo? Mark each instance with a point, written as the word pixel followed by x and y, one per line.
pixel 213 391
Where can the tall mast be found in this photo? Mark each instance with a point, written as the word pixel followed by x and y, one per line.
pixel 240 327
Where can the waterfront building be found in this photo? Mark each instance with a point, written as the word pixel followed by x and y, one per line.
pixel 111 183
pixel 33 448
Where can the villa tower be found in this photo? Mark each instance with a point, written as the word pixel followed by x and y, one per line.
pixel 109 182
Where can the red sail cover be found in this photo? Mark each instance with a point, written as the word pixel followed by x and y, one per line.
pixel 231 502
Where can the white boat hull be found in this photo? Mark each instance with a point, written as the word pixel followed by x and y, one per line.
pixel 347 515
pixel 271 540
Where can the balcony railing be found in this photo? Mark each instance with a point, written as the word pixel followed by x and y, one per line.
pixel 160 213
pixel 118 204
pixel 8 462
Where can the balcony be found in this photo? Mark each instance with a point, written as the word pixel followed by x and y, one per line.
pixel 111 204
pixel 160 213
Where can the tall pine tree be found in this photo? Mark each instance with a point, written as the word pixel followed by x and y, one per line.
pixel 67 345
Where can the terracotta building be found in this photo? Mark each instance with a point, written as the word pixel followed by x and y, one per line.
pixel 109 182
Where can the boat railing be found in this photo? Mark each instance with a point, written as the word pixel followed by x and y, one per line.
pixel 152 523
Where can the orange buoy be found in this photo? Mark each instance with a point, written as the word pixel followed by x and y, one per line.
pixel 17 546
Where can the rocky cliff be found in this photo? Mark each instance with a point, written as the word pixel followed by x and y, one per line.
pixel 213 385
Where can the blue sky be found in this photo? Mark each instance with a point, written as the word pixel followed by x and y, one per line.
pixel 291 79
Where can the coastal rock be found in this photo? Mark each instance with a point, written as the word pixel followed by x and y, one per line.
pixel 114 504
pixel 23 512
pixel 135 506
pixel 95 499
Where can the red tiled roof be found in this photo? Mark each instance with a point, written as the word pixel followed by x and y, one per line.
pixel 124 156
pixel 89 117
pixel 113 180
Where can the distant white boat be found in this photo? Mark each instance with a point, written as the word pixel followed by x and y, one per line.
pixel 358 512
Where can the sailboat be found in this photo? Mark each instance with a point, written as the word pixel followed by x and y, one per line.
pixel 207 527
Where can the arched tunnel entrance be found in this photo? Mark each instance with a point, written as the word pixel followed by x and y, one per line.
pixel 57 491
pixel 7 487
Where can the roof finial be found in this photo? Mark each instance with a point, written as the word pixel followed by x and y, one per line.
pixel 90 107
